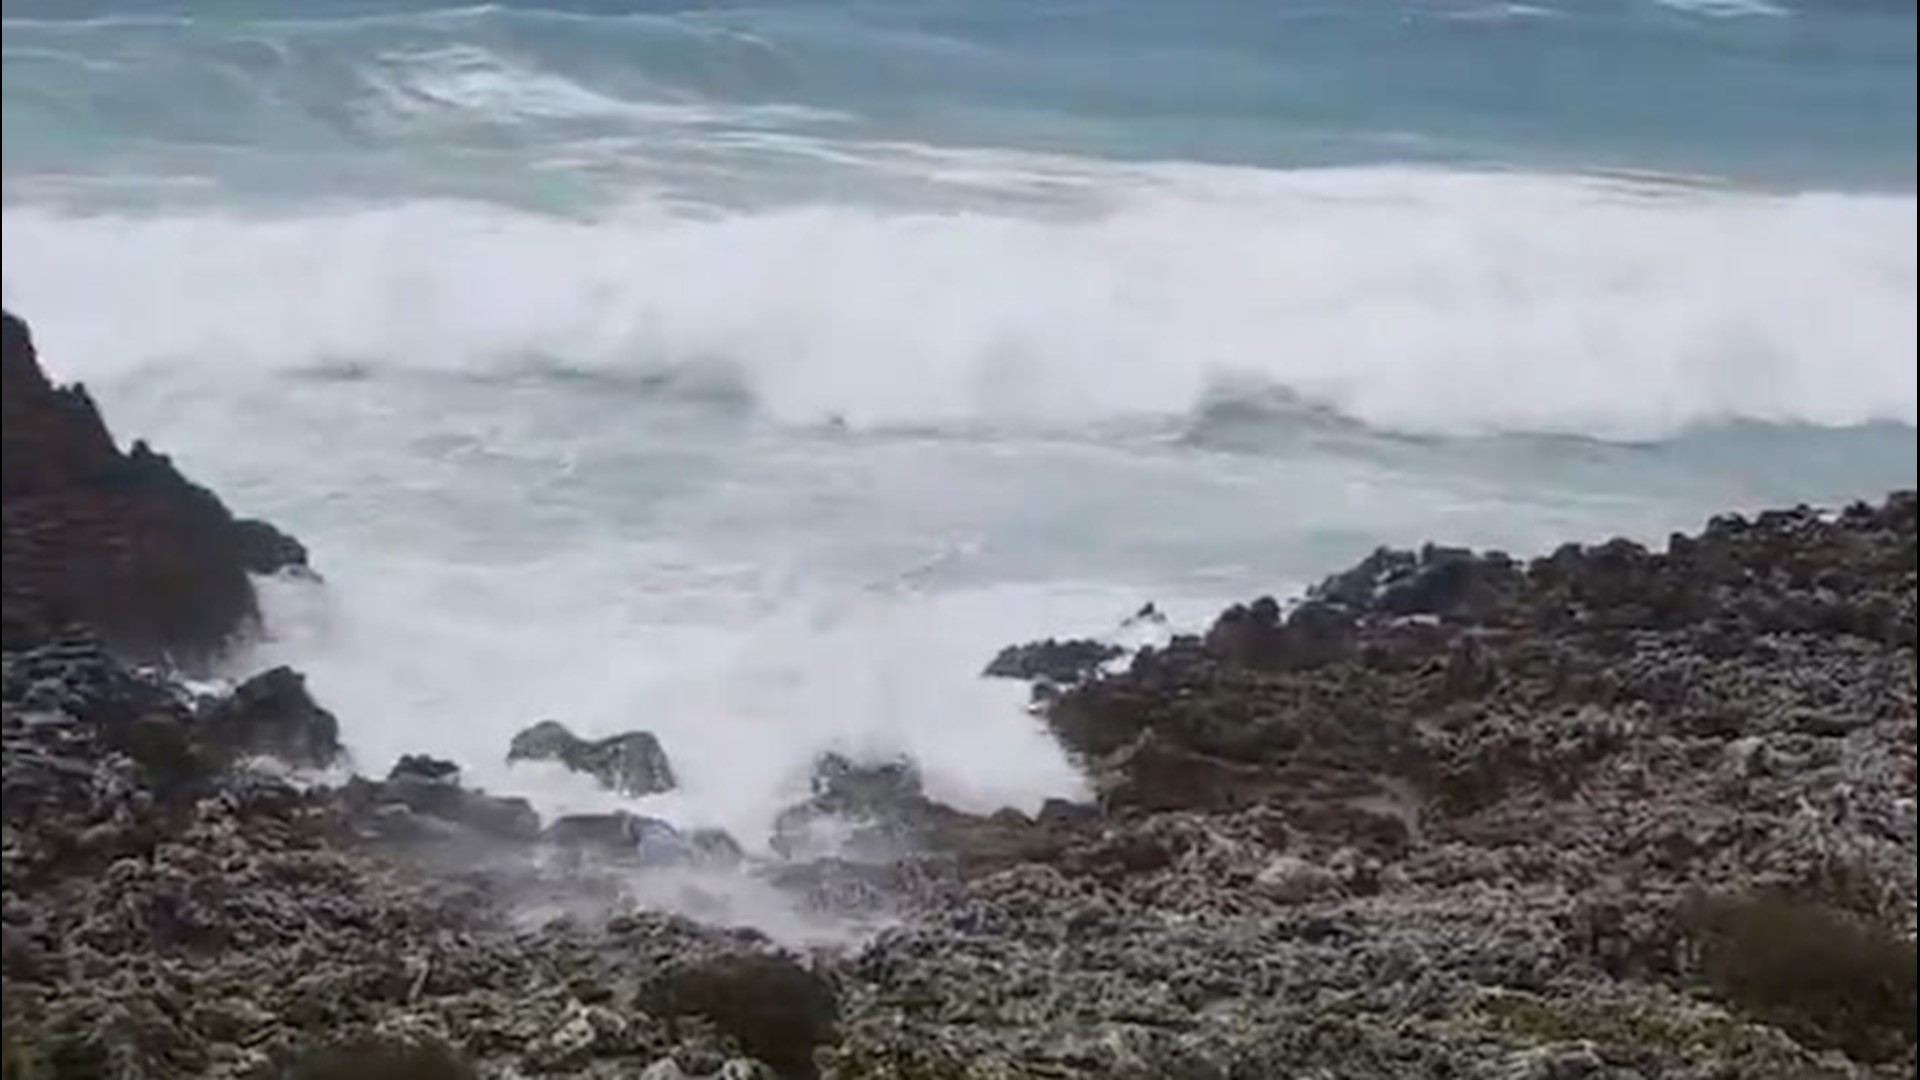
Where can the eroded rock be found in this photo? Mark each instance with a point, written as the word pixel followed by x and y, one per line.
pixel 632 763
pixel 121 544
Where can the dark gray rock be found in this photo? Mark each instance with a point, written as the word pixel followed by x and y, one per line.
pixel 1052 660
pixel 632 763
pixel 272 714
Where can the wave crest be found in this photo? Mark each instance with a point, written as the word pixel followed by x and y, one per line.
pixel 1411 300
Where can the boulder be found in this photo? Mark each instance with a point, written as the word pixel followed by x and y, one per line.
pixel 632 763
pixel 619 835
pixel 272 714
pixel 429 786
pixel 424 767
pixel 871 810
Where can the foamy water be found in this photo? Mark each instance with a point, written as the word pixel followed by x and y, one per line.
pixel 1409 300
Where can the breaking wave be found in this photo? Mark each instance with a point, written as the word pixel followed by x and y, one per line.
pixel 1407 299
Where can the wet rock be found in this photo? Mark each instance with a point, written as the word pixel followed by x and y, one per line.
pixel 1439 581
pixel 1052 660
pixel 866 810
pixel 715 847
pixel 844 786
pixel 265 550
pixel 272 714
pixel 620 835
pixel 507 818
pixel 423 767
pixel 840 887
pixel 119 543
pixel 632 763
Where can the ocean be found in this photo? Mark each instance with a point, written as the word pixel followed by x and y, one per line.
pixel 751 374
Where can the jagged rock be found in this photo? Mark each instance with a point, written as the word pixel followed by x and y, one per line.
pixel 1064 813
pixel 862 814
pixel 423 767
pixel 1426 767
pixel 841 887
pixel 632 763
pixel 422 802
pixel 272 714
pixel 1052 660
pixel 119 543
pixel 871 810
pixel 715 847
pixel 264 549
pixel 840 785
pixel 621 835
pixel 1439 581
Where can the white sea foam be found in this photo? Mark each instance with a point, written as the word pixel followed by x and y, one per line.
pixel 1728 9
pixel 453 659
pixel 1408 299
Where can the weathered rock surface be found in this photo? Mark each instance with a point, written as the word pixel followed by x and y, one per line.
pixel 1610 813
pixel 632 763
pixel 120 544
pixel 168 912
pixel 1052 660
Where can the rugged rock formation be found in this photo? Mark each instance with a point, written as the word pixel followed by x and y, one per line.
pixel 631 763
pixel 1609 813
pixel 1052 660
pixel 170 912
pixel 118 543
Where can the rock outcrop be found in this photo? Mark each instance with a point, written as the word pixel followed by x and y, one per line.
pixel 631 763
pixel 1052 661
pixel 118 543
pixel 1611 812
pixel 171 912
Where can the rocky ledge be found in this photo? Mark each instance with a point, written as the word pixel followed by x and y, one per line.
pixel 1611 813
pixel 116 542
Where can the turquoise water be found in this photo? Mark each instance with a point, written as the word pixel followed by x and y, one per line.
pixel 418 94
pixel 751 373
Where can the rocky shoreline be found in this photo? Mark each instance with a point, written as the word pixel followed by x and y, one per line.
pixel 1609 813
